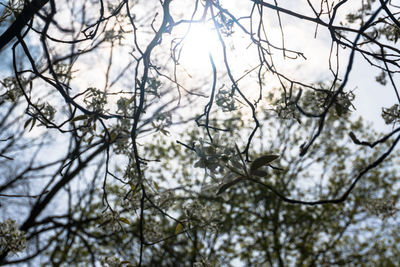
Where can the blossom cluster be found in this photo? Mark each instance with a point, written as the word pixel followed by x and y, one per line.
pixel 208 216
pixel 213 156
pixel 13 89
pixel 111 221
pixel 95 99
pixel 162 121
pixel 153 231
pixel 11 238
pixel 162 200
pixel 286 109
pixel 202 263
pixel 383 208
pixel 343 103
pixel 111 261
pixel 391 115
pixel 225 100
pixel 222 162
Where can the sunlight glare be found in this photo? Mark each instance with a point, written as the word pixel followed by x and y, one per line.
pixel 197 45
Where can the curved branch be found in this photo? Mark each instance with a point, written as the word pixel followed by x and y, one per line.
pixel 29 11
pixel 345 194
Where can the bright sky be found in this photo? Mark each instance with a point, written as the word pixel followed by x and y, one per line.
pixel 299 36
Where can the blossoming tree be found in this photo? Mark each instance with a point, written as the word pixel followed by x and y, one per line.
pixel 106 85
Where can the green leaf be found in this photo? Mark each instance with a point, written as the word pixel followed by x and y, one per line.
pixel 33 124
pixel 126 262
pixel 262 161
pixel 165 132
pixel 27 123
pixel 90 139
pixel 178 228
pixel 132 187
pixel 224 187
pixel 124 220
pixel 113 136
pixel 259 173
pixel 11 96
pixel 79 118
pixel 130 100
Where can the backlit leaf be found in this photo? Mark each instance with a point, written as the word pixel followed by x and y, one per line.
pixel 259 173
pixel 124 220
pixel 178 228
pixel 262 161
pixel 79 118
pixel 113 136
pixel 224 187
pixel 27 123
pixel 132 187
pixel 33 124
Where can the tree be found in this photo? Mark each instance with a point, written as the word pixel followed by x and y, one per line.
pixel 249 223
pixel 108 116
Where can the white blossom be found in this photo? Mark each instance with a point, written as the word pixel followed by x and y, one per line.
pixel 383 208
pixel 111 221
pixel 196 211
pixel 153 232
pixel 202 263
pixel 391 115
pixel 111 261
pixel 213 156
pixel 11 238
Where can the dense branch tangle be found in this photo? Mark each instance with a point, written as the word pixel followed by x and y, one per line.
pixel 154 70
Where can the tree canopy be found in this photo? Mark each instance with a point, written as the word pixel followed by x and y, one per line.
pixel 198 133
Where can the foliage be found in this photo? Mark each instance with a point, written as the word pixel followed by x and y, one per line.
pixel 11 238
